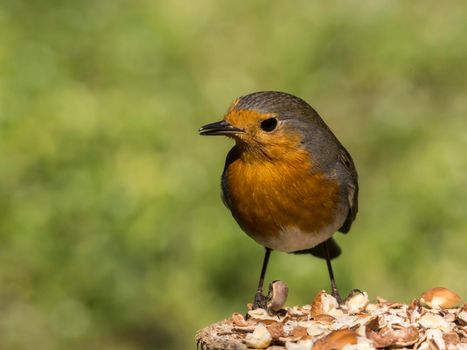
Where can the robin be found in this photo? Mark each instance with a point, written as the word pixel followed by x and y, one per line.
pixel 288 181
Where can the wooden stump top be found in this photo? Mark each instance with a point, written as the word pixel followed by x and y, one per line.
pixel 432 323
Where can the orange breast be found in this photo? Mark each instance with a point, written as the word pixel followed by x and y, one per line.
pixel 283 205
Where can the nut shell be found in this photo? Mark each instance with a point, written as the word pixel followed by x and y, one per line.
pixel 356 302
pixel 440 298
pixel 336 340
pixel 260 338
pixel 239 320
pixel 278 291
pixel 323 304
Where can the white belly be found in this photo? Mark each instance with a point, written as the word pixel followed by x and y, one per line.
pixel 291 239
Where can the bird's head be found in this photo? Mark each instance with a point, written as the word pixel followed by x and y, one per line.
pixel 267 124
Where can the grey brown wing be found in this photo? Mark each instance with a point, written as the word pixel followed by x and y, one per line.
pixel 350 183
pixel 232 156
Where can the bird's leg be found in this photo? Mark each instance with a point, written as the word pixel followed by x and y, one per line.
pixel 334 291
pixel 260 300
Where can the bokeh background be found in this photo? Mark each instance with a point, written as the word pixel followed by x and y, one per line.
pixel 112 232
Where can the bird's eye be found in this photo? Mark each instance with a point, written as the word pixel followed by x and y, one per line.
pixel 269 124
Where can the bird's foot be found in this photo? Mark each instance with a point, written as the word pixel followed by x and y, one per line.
pixel 260 301
pixel 337 296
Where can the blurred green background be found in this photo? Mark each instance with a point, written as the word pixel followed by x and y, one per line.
pixel 113 235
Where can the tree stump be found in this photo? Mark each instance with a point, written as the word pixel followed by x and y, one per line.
pixel 435 321
pixel 219 336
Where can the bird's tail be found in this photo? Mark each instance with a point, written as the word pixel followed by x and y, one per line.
pixel 319 252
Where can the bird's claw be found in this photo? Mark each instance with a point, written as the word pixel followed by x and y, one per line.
pixel 260 301
pixel 338 298
pixel 336 295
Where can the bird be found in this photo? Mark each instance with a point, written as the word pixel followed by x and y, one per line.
pixel 288 181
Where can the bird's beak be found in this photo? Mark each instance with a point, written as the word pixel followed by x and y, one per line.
pixel 219 128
